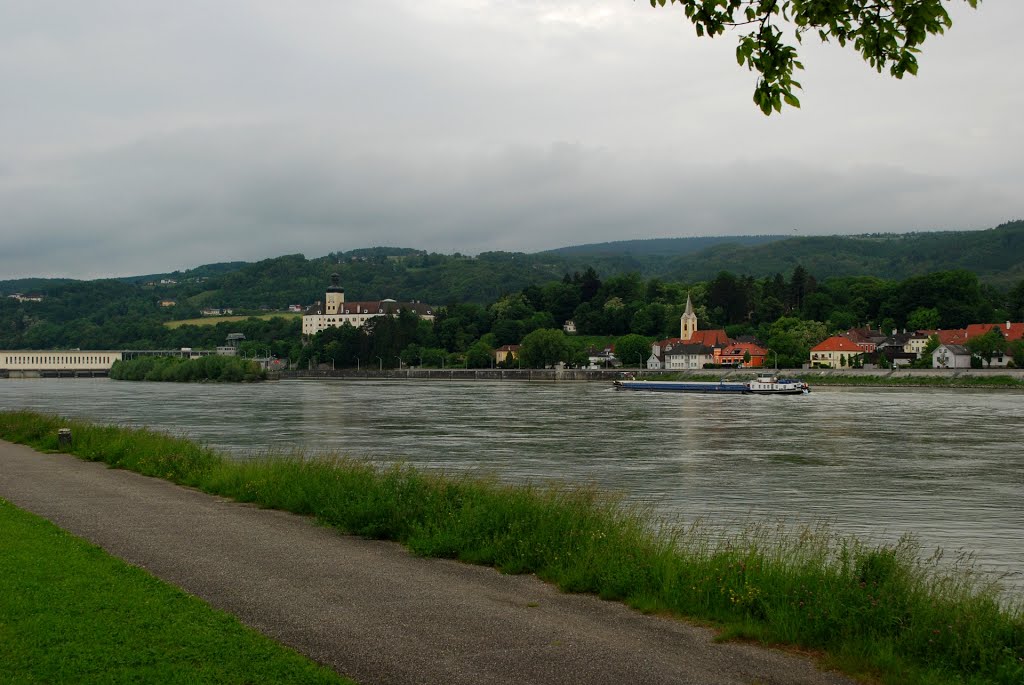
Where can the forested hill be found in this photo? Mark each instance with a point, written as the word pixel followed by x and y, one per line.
pixel 995 255
pixel 660 247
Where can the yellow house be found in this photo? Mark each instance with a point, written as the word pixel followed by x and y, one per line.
pixel 510 352
pixel 832 351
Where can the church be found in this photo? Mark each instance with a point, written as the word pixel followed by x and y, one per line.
pixel 334 311
pixel 697 349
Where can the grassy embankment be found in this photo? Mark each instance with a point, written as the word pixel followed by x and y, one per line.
pixel 176 369
pixel 882 611
pixel 915 381
pixel 69 612
pixel 817 379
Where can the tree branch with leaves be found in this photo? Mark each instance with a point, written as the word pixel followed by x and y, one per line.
pixel 886 33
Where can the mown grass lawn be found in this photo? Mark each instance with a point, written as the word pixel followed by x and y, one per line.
pixel 214 320
pixel 69 612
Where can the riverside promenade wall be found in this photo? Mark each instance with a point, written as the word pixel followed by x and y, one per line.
pixel 552 375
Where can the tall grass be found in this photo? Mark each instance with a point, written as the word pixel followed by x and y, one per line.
pixel 882 610
pixel 995 381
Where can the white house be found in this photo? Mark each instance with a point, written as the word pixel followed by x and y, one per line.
pixel 950 356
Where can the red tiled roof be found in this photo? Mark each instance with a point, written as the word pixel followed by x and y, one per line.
pixel 741 347
pixel 1014 332
pixel 954 336
pixel 836 343
pixel 709 338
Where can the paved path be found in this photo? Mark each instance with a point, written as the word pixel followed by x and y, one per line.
pixel 369 609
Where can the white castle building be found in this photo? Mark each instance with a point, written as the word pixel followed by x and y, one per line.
pixel 335 311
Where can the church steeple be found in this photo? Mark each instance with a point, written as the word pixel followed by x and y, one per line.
pixel 688 321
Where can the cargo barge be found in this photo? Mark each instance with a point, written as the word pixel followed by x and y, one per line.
pixel 762 385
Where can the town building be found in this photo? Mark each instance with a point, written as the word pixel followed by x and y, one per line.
pixel 31 297
pixel 835 352
pixel 508 353
pixel 696 349
pixel 334 311
pixel 951 356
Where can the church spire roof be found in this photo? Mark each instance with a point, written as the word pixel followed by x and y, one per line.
pixel 689 305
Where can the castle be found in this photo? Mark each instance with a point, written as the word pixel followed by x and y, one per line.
pixel 334 311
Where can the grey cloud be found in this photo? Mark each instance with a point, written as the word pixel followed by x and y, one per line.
pixel 141 137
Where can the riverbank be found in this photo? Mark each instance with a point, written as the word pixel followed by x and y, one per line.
pixel 874 609
pixel 1012 379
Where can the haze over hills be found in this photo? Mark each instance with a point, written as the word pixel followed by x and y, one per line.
pixel 996 255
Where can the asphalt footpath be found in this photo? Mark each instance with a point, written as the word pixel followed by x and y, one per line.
pixel 369 609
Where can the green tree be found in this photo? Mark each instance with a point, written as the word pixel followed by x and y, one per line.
pixel 987 346
pixel 923 319
pixel 792 339
pixel 886 33
pixel 480 355
pixel 545 347
pixel 632 349
pixel 1015 349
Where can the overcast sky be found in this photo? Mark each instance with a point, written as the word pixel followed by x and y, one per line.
pixel 141 137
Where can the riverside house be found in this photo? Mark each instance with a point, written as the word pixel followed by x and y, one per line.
pixel 835 352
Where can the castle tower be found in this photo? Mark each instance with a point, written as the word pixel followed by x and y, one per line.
pixel 334 303
pixel 688 321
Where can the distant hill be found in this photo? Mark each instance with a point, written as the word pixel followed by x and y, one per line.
pixel 31 285
pixel 204 271
pixel 996 255
pixel 659 247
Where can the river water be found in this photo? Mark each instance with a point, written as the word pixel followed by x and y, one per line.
pixel 945 465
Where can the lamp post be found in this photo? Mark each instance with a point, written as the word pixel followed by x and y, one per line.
pixel 640 360
pixel 357 363
pixel 399 363
pixel 380 364
pixel 332 363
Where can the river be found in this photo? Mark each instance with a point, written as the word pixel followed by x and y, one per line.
pixel 945 465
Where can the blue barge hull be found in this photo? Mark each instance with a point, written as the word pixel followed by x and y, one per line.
pixel 673 386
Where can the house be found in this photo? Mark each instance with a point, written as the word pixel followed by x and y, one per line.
pixel 835 352
pixel 951 356
pixel 1009 330
pixel 738 353
pixel 569 327
pixel 31 297
pixel 166 303
pixel 895 349
pixel 334 311
pixel 917 341
pixel 955 336
pixel 506 352
pixel 679 354
pixel 603 359
pixel 865 338
pixel 216 311
pixel 296 308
